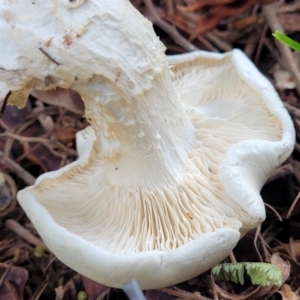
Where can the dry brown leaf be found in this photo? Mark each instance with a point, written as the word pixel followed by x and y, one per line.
pixel 93 288
pixel 19 98
pixel 283 265
pixel 245 22
pixel 297 249
pixel 8 192
pixel 283 78
pixel 66 292
pixel 216 11
pixel 13 116
pixel 66 134
pixel 198 5
pixel 287 293
pixel 13 281
pixel 68 99
pixel 182 294
pixel 296 244
pixel 290 22
pixel 59 293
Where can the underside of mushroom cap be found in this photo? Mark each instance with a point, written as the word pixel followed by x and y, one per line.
pixel 151 269
pixel 160 236
pixel 239 109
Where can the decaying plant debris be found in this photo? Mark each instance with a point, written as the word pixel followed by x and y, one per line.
pixel 40 138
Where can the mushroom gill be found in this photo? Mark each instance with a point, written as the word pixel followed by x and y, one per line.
pixel 225 110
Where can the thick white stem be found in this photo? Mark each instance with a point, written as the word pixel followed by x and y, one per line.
pixel 145 138
pixel 110 54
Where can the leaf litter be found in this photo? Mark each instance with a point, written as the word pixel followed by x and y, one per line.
pixel 41 136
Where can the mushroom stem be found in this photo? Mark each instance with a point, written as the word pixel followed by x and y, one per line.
pixel 110 54
pixel 143 139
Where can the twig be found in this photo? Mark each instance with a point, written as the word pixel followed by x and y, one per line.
pixel 4 275
pixel 206 43
pixel 297 147
pixel 40 289
pixel 16 168
pixel 249 48
pixel 103 295
pixel 273 51
pixel 169 29
pixel 292 249
pixel 24 139
pixel 274 211
pixel 260 44
pixel 63 147
pixel 133 291
pixel 293 206
pixel 263 243
pixel 24 233
pixel 257 233
pixel 51 261
pixel 296 171
pixel 289 8
pixel 292 110
pixel 190 22
pixel 232 257
pixel 4 104
pixel 183 294
pixel 25 154
pixel 48 56
pixel 269 11
pixel 213 288
pixel 170 7
pixel 42 141
pixel 221 44
pixel 280 172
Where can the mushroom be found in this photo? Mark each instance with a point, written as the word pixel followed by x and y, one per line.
pixel 169 173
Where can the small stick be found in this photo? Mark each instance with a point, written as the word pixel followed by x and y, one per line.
pixel 220 43
pixel 16 168
pixel 133 291
pixel 232 257
pixel 274 211
pixel 25 234
pixel 293 206
pixel 292 249
pixel 4 104
pixel 170 7
pixel 171 30
pixel 4 275
pixel 182 294
pixel 261 43
pixel 264 246
pixel 257 233
pixel 280 172
pixel 48 56
pixel 24 139
pixel 270 13
pixel 292 110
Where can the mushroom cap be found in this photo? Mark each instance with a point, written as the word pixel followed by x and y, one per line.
pixel 161 236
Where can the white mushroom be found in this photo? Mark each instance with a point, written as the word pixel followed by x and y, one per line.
pixel 169 173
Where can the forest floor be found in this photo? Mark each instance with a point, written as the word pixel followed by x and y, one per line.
pixel 41 138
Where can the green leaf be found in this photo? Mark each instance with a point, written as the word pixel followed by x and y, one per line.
pixel 260 273
pixel 286 40
pixel 241 276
